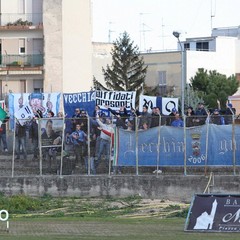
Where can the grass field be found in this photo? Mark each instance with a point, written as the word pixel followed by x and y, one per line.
pixel 104 229
pixel 131 218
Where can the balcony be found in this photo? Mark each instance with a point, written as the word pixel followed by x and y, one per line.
pixel 20 62
pixel 30 21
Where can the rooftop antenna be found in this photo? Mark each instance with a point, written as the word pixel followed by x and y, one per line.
pixel 143 30
pixel 110 32
pixel 213 12
pixel 162 34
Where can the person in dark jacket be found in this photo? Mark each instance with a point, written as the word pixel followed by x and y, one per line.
pixel 3 135
pixel 33 134
pixel 20 133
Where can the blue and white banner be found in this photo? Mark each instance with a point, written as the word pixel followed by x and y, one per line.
pixel 82 100
pixel 24 114
pixel 165 104
pixel 37 101
pixel 115 100
pixel 205 145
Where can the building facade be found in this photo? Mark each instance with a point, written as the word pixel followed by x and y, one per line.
pixel 45 46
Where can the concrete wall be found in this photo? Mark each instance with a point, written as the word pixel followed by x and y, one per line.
pixel 173 187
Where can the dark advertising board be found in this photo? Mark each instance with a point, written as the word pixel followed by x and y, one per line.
pixel 214 213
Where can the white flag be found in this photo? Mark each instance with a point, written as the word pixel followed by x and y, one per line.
pixel 24 114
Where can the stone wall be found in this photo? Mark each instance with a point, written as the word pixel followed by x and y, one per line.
pixel 172 187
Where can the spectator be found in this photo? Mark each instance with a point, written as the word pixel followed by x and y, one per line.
pixel 33 134
pixel 171 117
pixel 105 141
pixel 3 135
pixel 177 122
pixel 230 112
pixel 216 118
pixel 120 115
pixel 75 118
pixel 116 169
pixel 157 119
pixel 79 138
pixel 20 133
pixel 201 115
pixel 190 120
pixel 145 117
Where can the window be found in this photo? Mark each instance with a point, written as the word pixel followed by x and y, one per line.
pixel 187 46
pixel 162 82
pixel 202 46
pixel 22 49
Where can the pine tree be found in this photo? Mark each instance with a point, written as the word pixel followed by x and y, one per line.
pixel 127 72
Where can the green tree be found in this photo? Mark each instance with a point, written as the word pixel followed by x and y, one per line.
pixel 212 86
pixel 127 72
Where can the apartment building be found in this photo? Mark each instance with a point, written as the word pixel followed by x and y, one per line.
pixel 45 46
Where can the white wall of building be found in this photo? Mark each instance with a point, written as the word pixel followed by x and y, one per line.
pixel 76 45
pixel 68 46
pixel 223 60
pixel 101 58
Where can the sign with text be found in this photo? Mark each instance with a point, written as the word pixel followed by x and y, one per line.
pixel 214 213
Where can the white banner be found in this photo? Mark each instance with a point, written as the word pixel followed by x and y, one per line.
pixel 116 99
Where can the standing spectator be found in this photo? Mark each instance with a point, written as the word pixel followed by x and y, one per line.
pixel 79 138
pixel 216 118
pixel 105 141
pixel 190 120
pixel 157 119
pixel 201 114
pixel 120 115
pixel 116 169
pixel 20 133
pixel 171 117
pixel 3 134
pixel 75 118
pixel 83 120
pixel 177 122
pixel 230 112
pixel 33 134
pixel 146 117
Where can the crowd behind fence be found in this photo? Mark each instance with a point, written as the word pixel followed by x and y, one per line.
pixel 115 145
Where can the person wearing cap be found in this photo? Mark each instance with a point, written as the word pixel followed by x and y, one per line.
pixel 170 118
pixel 216 118
pixel 201 115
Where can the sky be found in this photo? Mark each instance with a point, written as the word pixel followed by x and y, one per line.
pixel 150 23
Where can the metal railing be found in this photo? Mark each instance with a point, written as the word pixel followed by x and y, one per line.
pixel 48 147
pixel 27 19
pixel 29 60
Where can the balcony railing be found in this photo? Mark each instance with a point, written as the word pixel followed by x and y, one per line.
pixel 27 20
pixel 32 60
